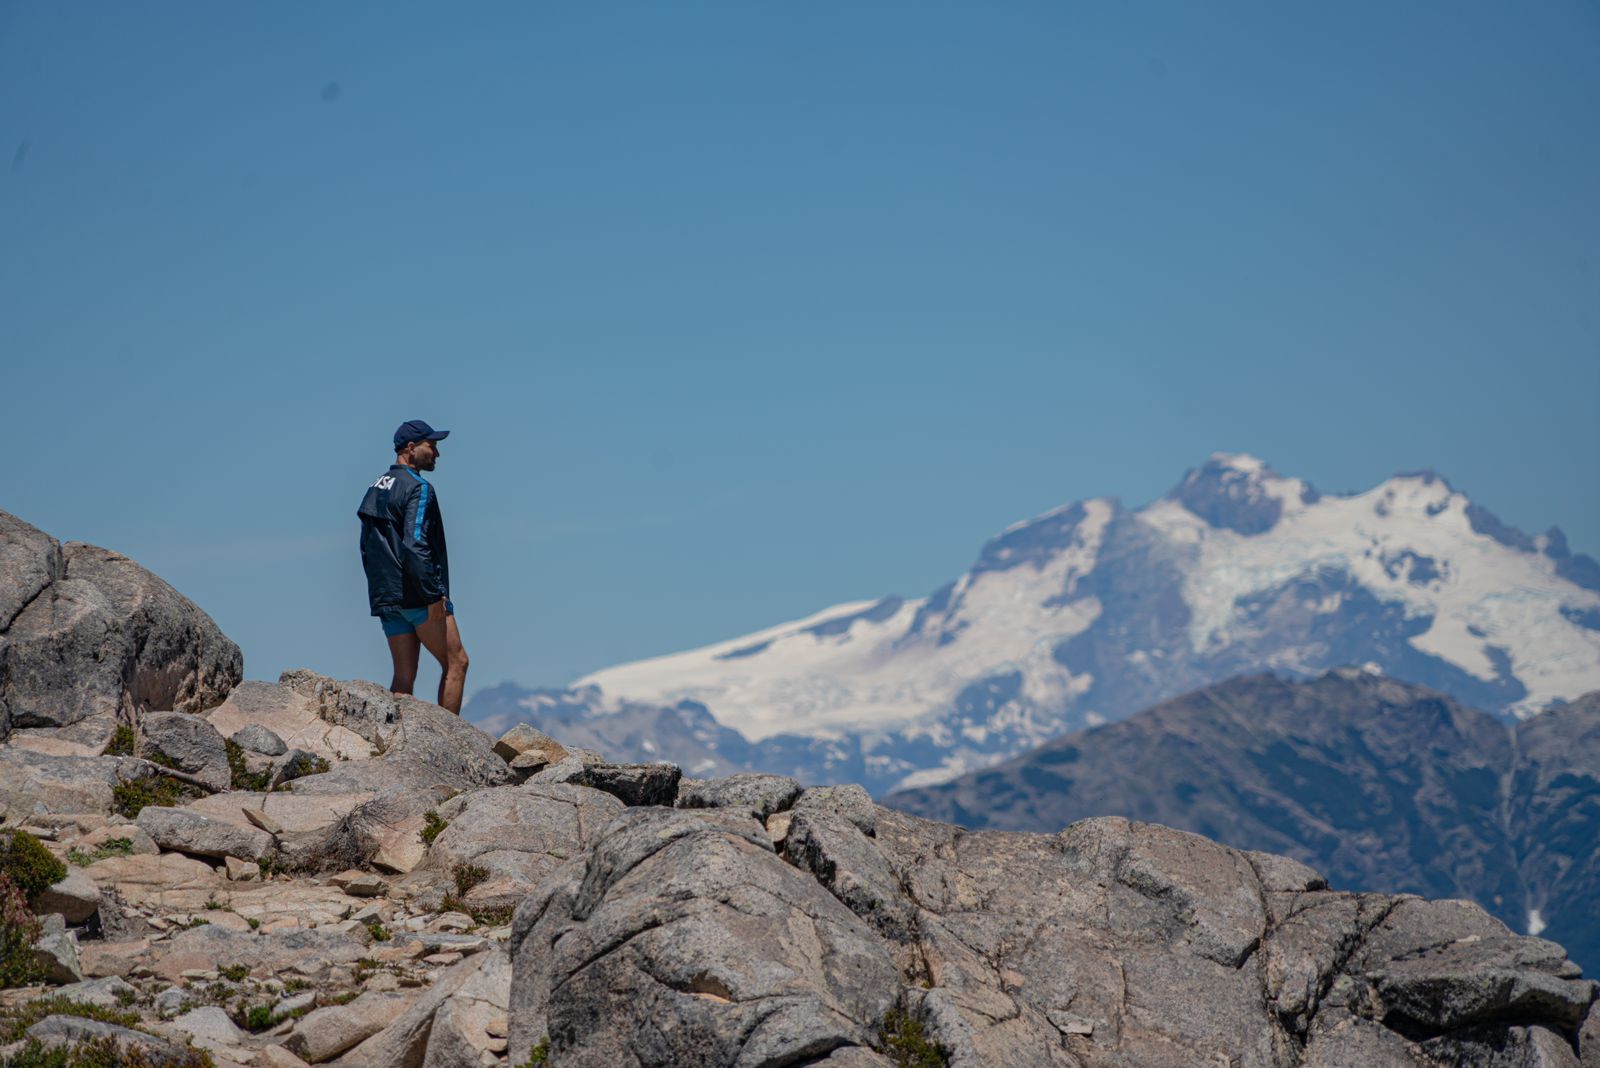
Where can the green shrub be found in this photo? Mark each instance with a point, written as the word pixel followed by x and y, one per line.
pixel 467 876
pixel 161 791
pixel 432 825
pixel 906 1045
pixel 487 917
pixel 122 743
pixel 235 973
pixel 154 754
pixel 239 772
pixel 111 847
pixel 103 1053
pixel 19 927
pixel 260 1017
pixel 540 1054
pixel 28 864
pixel 14 1022
pixel 379 932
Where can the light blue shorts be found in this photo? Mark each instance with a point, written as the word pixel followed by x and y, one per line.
pixel 407 620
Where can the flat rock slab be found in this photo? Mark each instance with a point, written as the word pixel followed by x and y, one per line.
pixel 210 947
pixel 633 784
pixel 520 834
pixel 209 1027
pixel 293 813
pixel 166 881
pixel 188 831
pixel 325 1033
pixel 759 795
pixel 33 784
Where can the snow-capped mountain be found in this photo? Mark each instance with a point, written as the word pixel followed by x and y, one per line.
pixel 1092 612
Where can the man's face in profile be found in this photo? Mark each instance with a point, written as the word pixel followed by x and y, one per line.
pixel 424 455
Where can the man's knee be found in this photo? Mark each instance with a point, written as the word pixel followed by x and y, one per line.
pixel 458 662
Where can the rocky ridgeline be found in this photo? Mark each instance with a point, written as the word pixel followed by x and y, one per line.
pixel 317 871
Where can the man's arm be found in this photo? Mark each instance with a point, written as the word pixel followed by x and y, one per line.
pixel 416 556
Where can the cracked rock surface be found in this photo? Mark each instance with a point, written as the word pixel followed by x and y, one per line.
pixel 682 938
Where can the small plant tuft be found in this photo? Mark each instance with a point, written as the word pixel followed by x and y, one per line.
pixel 260 1017
pixel 235 973
pixel 14 1022
pixel 160 791
pixel 379 932
pixel 111 847
pixel 905 1043
pixel 156 756
pixel 432 824
pixel 467 876
pixel 28 864
pixel 239 773
pixel 255 924
pixel 103 1053
pixel 122 743
pixel 483 916
pixel 540 1054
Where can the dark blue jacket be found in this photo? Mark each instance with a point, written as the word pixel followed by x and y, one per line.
pixel 402 542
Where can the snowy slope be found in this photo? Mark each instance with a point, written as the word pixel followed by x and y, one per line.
pixel 1092 612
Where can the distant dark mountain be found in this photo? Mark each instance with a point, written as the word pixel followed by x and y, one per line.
pixel 1378 784
pixel 1092 611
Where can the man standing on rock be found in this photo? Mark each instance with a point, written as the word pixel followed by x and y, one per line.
pixel 408 569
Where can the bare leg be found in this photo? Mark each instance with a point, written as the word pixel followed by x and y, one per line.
pixel 443 640
pixel 404 650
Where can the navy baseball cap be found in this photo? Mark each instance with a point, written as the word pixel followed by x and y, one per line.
pixel 416 430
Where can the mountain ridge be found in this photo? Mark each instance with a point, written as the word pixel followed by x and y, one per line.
pixel 1380 784
pixel 1092 611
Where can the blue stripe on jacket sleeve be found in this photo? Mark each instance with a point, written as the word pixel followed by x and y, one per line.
pixel 422 509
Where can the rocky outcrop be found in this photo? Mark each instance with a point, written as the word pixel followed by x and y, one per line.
pixel 684 939
pixel 681 937
pixel 517 836
pixel 403 728
pixel 1380 784
pixel 86 631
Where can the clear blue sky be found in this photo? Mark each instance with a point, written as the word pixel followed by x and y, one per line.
pixel 737 310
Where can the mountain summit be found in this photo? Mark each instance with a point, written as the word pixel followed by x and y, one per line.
pixel 1093 611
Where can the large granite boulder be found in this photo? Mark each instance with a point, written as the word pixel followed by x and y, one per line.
pixel 518 835
pixel 187 743
pixel 30 561
pixel 85 631
pixel 683 939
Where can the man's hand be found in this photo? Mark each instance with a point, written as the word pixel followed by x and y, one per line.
pixel 436 611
